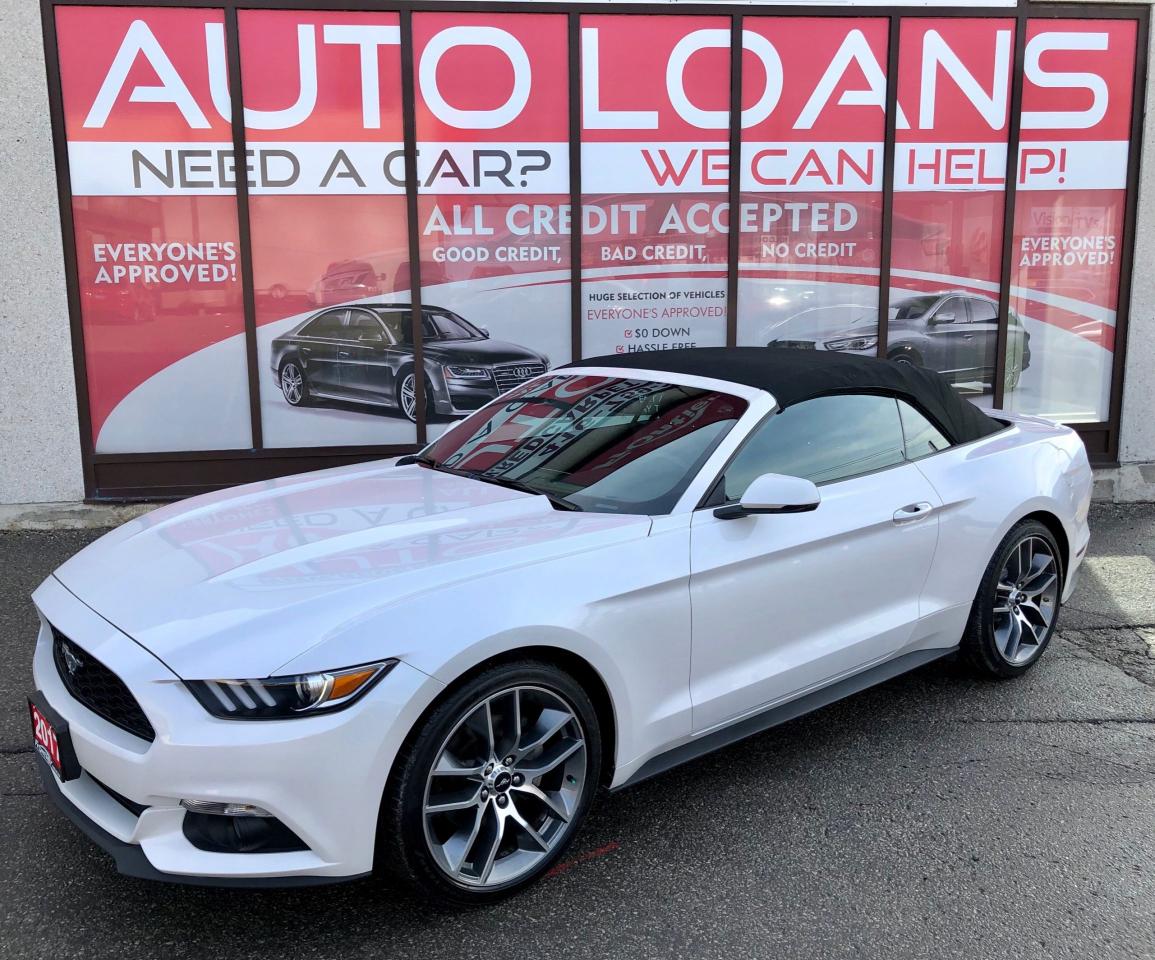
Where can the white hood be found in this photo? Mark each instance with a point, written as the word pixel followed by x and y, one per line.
pixel 237 583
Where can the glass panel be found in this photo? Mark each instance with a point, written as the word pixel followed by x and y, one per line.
pixel 827 439
pixel 327 211
pixel 922 437
pixel 1069 211
pixel 605 444
pixel 156 229
pixel 812 182
pixel 949 173
pixel 493 163
pixel 655 158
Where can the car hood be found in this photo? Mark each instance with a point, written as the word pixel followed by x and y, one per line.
pixel 478 351
pixel 238 583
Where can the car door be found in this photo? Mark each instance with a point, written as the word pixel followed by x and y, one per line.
pixel 983 343
pixel 362 359
pixel 949 329
pixel 784 603
pixel 318 350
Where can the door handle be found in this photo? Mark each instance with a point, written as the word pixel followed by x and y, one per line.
pixel 912 511
pixel 968 336
pixel 306 350
pixel 344 354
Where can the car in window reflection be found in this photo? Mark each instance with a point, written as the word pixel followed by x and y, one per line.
pixel 952 332
pixel 364 354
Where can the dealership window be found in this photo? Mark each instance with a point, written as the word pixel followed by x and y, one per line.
pixel 322 95
pixel 1069 210
pixel 814 122
pixel 157 248
pixel 493 203
pixel 172 363
pixel 954 82
pixel 655 171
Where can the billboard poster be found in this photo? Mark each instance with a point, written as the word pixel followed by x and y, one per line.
pixel 813 125
pixel 655 171
pixel 157 251
pixel 492 127
pixel 949 189
pixel 322 95
pixel 1069 211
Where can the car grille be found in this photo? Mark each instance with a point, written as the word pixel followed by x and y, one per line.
pixel 794 344
pixel 509 375
pixel 98 688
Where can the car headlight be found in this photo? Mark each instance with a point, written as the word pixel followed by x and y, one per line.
pixel 279 698
pixel 852 343
pixel 466 373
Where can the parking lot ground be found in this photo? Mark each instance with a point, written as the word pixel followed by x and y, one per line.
pixel 935 816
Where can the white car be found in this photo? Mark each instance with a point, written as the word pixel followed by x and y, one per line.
pixel 431 666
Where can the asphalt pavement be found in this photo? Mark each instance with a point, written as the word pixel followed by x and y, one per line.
pixel 935 816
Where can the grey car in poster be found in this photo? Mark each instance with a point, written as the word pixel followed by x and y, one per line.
pixel 363 353
pixel 952 332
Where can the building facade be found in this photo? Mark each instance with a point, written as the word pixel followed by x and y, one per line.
pixel 439 200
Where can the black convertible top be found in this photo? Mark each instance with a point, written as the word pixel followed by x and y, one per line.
pixel 793 376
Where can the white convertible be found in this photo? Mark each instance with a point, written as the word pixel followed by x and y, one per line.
pixel 431 665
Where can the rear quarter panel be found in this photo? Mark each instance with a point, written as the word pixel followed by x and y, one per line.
pixel 987 487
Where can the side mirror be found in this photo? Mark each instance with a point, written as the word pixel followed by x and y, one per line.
pixel 773 493
pixel 484 330
pixel 943 318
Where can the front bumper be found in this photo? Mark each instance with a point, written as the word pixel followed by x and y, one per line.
pixel 323 777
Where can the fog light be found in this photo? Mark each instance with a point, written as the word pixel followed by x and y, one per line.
pixel 225 809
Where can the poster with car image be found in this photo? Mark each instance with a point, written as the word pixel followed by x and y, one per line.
pixel 327 219
pixel 1069 211
pixel 954 80
pixel 156 237
pixel 493 203
pixel 655 170
pixel 814 120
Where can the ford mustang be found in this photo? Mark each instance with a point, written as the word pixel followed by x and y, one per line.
pixel 431 665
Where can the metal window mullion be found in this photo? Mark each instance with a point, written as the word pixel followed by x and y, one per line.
pixel 888 148
pixel 409 138
pixel 1010 185
pixel 573 46
pixel 244 226
pixel 734 181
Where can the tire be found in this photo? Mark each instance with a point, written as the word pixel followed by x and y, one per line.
pixel 294 384
pixel 406 401
pixel 1011 380
pixel 907 357
pixel 1014 614
pixel 482 851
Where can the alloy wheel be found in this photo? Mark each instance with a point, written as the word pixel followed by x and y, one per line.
pixel 505 787
pixel 292 383
pixel 409 397
pixel 1026 600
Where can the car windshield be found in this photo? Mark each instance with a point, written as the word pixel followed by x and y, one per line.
pixel 604 444
pixel 443 325
pixel 913 307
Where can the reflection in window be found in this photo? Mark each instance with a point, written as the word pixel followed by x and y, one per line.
pixel 826 439
pixel 603 444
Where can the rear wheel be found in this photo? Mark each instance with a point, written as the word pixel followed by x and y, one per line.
pixel 1017 605
pixel 492 787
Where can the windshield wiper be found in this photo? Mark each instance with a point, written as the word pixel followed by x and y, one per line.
pixel 558 501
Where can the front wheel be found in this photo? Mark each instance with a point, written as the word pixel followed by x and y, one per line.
pixel 492 787
pixel 293 384
pixel 407 396
pixel 1017 605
